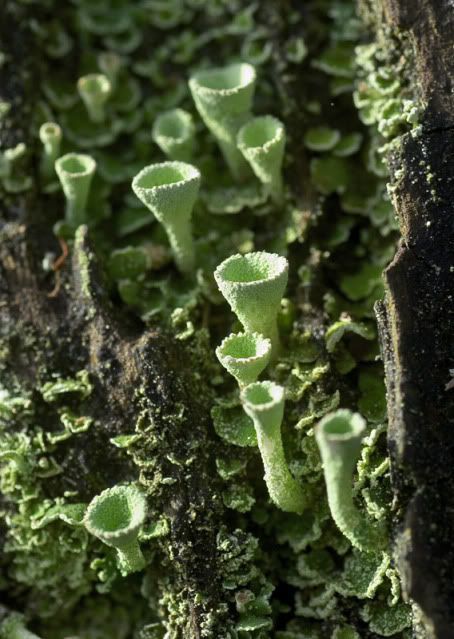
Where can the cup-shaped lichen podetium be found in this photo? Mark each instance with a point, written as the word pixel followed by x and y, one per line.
pixel 110 65
pixel 339 436
pixel 223 97
pixel 245 356
pixel 262 142
pixel 263 402
pixel 94 89
pixel 169 190
pixel 115 517
pixel 253 284
pixel 173 132
pixel 75 172
pixel 50 136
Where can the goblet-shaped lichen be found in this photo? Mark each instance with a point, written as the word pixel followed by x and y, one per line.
pixel 245 356
pixel 339 437
pixel 253 284
pixel 94 89
pixel 115 517
pixel 50 135
pixel 262 142
pixel 223 97
pixel 169 190
pixel 173 132
pixel 264 403
pixel 75 172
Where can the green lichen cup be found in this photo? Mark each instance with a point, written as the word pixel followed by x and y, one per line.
pixel 223 98
pixel 262 142
pixel 75 172
pixel 244 356
pixel 95 89
pixel 50 135
pixel 173 131
pixel 115 517
pixel 253 285
pixel 169 190
pixel 264 402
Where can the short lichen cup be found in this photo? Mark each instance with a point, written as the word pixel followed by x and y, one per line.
pixel 169 190
pixel 95 89
pixel 223 97
pixel 244 356
pixel 115 517
pixel 50 135
pixel 75 172
pixel 263 402
pixel 262 142
pixel 173 132
pixel 339 437
pixel 253 285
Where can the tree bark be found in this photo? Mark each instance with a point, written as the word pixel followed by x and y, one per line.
pixel 416 319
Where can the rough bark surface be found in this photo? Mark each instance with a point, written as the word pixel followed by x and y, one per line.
pixel 135 372
pixel 417 319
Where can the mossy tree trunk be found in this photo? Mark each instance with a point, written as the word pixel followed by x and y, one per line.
pixel 416 318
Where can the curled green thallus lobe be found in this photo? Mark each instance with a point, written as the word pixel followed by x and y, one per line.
pixel 115 517
pixel 263 402
pixel 223 98
pixel 244 355
pixel 170 190
pixel 339 437
pixel 253 284
pixel 13 627
pixel 75 172
pixel 262 142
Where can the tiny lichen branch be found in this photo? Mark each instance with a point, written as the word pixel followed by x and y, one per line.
pixel 50 135
pixel 263 402
pixel 262 142
pixel 223 97
pixel 13 627
pixel 115 517
pixel 245 356
pixel 339 437
pixel 173 131
pixel 95 89
pixel 253 284
pixel 75 172
pixel 169 190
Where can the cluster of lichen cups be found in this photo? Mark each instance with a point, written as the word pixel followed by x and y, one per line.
pixel 116 517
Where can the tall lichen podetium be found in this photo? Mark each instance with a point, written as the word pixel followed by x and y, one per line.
pixel 253 284
pixel 223 97
pixel 50 135
pixel 115 517
pixel 75 172
pixel 169 190
pixel 339 437
pixel 264 403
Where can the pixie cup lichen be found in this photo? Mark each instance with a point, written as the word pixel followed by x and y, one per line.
pixel 223 98
pixel 115 517
pixel 263 402
pixel 95 89
pixel 339 437
pixel 262 142
pixel 75 172
pixel 50 136
pixel 244 356
pixel 169 190
pixel 253 285
pixel 110 64
pixel 173 132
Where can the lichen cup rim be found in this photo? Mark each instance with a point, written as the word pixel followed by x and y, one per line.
pixel 137 511
pixel 277 135
pixel 264 347
pixel 86 163
pixel 185 121
pixel 276 266
pixel 184 171
pixel 47 127
pixel 95 83
pixel 272 393
pixel 247 76
pixel 342 425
